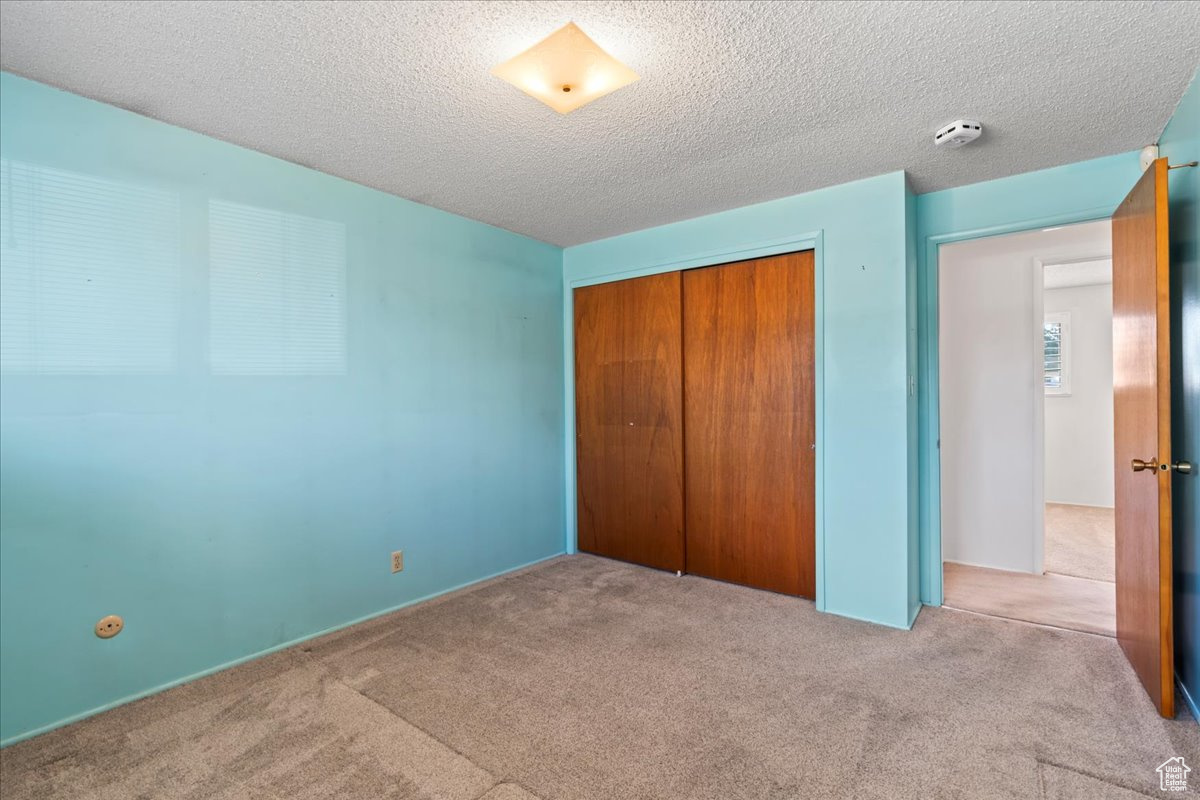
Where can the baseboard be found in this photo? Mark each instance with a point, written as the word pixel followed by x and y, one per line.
pixel 1077 505
pixel 986 566
pixel 894 625
pixel 20 737
pixel 1189 700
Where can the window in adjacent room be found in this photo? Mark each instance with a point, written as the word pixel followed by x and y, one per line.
pixel 1056 354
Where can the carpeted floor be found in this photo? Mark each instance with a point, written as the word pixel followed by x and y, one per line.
pixel 1080 541
pixel 588 678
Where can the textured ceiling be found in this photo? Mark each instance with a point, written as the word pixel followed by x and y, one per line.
pixel 739 102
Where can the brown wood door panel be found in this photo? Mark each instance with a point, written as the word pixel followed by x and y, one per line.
pixel 629 420
pixel 1142 421
pixel 749 422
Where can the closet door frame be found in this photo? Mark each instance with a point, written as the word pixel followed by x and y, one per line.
pixel 811 240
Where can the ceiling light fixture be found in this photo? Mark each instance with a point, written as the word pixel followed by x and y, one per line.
pixel 566 70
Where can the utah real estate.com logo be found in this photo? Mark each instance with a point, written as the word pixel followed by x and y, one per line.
pixel 1172 775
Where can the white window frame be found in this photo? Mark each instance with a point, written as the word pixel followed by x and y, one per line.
pixel 1063 320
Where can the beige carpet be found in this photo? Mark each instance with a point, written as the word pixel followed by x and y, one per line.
pixel 587 678
pixel 1077 604
pixel 1080 541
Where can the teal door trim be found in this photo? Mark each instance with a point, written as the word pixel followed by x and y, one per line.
pixel 811 240
pixel 930 397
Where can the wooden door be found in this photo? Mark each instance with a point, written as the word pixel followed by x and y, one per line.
pixel 749 422
pixel 1142 418
pixel 629 420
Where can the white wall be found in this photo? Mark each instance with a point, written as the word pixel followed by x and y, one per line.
pixel 1079 426
pixel 987 412
pixel 990 340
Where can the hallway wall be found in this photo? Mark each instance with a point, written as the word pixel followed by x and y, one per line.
pixel 1079 426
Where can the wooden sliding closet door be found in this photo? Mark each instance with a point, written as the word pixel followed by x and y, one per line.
pixel 749 403
pixel 629 420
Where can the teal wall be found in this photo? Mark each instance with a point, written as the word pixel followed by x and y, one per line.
pixel 859 233
pixel 913 355
pixel 1180 142
pixel 1073 193
pixel 230 387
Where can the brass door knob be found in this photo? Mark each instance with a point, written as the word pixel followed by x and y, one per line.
pixel 1142 466
pixel 1182 467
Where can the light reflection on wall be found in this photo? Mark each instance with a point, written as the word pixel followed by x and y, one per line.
pixel 89 273
pixel 277 302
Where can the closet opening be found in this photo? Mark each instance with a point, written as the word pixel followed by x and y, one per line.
pixel 695 397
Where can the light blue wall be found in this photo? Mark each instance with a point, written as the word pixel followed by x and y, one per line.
pixel 913 355
pixel 231 387
pixel 229 463
pixel 1180 142
pixel 1073 193
pixel 859 233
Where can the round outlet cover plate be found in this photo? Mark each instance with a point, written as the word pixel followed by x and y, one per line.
pixel 109 626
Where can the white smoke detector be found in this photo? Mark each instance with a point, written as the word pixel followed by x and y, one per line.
pixel 958 133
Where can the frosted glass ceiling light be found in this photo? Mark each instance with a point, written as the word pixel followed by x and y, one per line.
pixel 566 70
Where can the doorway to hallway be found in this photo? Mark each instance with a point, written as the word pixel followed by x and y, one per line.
pixel 1025 339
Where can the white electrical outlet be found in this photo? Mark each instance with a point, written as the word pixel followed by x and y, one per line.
pixel 398 561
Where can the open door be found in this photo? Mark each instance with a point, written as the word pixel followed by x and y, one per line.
pixel 1142 420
